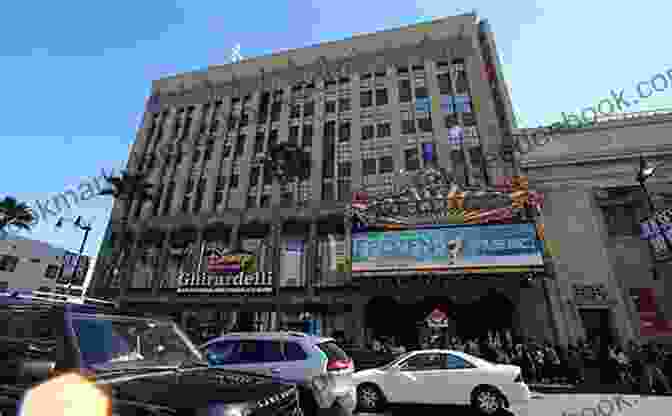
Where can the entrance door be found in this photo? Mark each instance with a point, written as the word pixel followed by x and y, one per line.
pixel 597 323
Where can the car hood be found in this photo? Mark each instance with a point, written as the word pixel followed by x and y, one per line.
pixel 192 389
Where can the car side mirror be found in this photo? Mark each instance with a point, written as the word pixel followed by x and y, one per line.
pixel 37 369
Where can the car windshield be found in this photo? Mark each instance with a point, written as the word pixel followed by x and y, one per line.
pixel 110 342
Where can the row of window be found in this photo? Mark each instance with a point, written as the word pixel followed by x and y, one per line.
pixel 8 264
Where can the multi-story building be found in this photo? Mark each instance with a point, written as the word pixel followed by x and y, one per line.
pixel 364 108
pixel 593 210
pixel 29 264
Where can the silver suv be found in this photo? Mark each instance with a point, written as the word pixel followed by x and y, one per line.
pixel 318 365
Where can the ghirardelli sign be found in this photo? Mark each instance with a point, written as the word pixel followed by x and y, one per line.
pixel 243 283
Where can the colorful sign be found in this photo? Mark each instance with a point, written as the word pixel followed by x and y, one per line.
pixel 218 261
pixel 657 230
pixel 441 247
pixel 437 319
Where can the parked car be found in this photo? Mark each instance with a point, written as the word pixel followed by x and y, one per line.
pixel 441 377
pixel 321 369
pixel 147 364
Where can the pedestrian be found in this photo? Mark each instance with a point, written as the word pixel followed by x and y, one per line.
pixel 653 378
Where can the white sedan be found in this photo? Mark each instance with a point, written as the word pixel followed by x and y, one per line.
pixel 441 377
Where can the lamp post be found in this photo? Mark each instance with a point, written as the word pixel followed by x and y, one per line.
pixel 645 172
pixel 84 227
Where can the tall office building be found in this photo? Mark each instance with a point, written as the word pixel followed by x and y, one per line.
pixel 365 108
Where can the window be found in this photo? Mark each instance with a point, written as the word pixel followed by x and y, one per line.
pixel 421 92
pixel 293 135
pixel 330 107
pixel 425 124
pixel 52 271
pixel 344 132
pixel 295 112
pixel 328 169
pixel 8 263
pixel 254 176
pixel 384 130
pixel 308 109
pixel 407 123
pixel 307 139
pixel 622 219
pixel 386 164
pixel 265 201
pixel 240 145
pixel 405 95
pixel 344 189
pixel 259 142
pixel 369 167
pixel 453 362
pixel 344 104
pixel 344 169
pixel 381 96
pixel 328 192
pixel 444 84
pixel 412 161
pixel 424 362
pixel 234 181
pixel 402 70
pixel 294 352
pixel 366 98
pixel 367 132
pixel 222 353
pixel 330 130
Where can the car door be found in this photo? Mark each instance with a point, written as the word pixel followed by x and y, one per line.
pixel 453 383
pixel 25 334
pixel 407 381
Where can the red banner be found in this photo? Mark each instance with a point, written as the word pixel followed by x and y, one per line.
pixel 652 322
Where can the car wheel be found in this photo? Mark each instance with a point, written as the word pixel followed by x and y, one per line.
pixel 369 398
pixel 487 400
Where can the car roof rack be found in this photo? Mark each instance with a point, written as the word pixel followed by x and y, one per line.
pixel 57 297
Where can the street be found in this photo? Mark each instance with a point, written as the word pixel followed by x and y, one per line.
pixel 558 405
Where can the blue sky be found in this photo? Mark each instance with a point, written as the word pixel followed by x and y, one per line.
pixel 76 76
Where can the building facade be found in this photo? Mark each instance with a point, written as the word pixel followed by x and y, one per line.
pixel 592 213
pixel 29 264
pixel 365 108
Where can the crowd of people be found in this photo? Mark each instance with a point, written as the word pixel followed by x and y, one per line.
pixel 638 368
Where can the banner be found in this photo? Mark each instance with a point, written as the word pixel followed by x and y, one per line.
pixel 656 230
pixel 651 320
pixel 441 247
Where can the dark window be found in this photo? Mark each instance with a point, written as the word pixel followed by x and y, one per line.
pixel 294 352
pixel 196 157
pixel 251 201
pixel 407 126
pixel 368 132
pixel 272 139
pixel 369 167
pixel 190 185
pixel 307 139
pixel 344 189
pixel 421 92
pixel 308 109
pixel 8 263
pixel 330 107
pixel 366 98
pixel 405 95
pixel 383 130
pixel 259 142
pixel 344 132
pixel 401 70
pixel 386 164
pixel 330 130
pixel 265 201
pixel 240 145
pixel 185 204
pixel 412 161
pixel 293 135
pixel 226 151
pixel 333 351
pixel 425 124
pixel 453 362
pixel 234 181
pixel 381 97
pixel 52 271
pixel 254 176
pixel 328 192
pixel 622 219
pixel 295 112
pixel 328 169
pixel 221 183
pixel 444 84
pixel 365 76
pixel 344 169
pixel 344 104
pixel 424 362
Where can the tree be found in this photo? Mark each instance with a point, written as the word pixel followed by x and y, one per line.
pixel 126 188
pixel 15 214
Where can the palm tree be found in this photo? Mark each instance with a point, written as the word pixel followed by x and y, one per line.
pixel 15 214
pixel 126 188
pixel 288 163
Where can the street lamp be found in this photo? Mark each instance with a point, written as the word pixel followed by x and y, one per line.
pixel 84 227
pixel 646 171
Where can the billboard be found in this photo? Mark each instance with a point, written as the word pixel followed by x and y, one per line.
pixel 441 247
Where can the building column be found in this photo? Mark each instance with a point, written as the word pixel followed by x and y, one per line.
pixel 318 143
pixel 438 125
pixel 311 259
